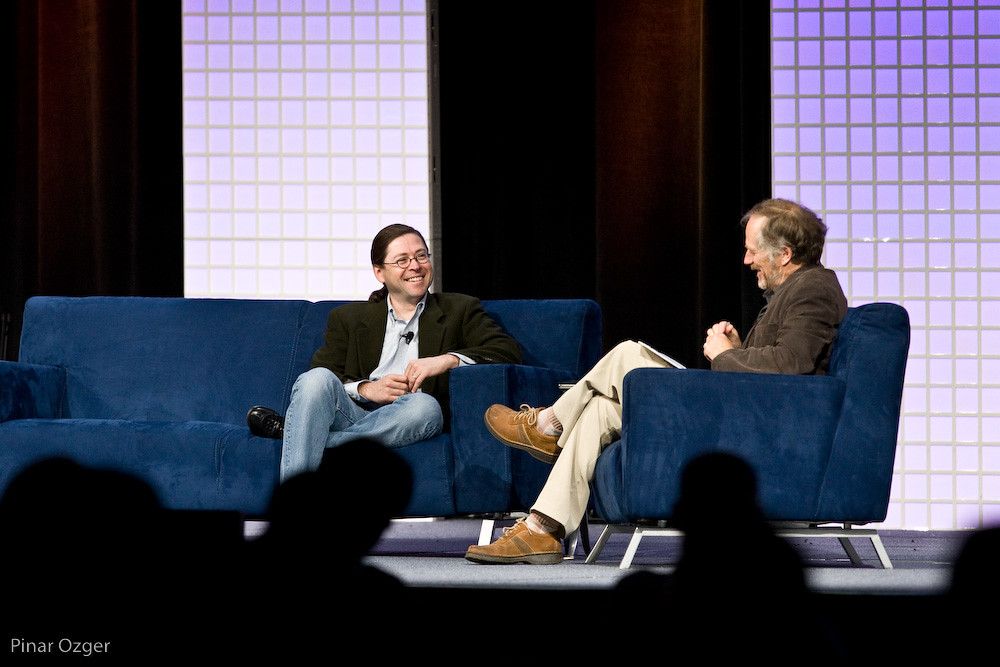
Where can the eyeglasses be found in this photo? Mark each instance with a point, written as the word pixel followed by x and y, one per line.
pixel 404 262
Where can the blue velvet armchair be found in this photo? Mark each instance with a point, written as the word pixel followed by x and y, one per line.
pixel 822 447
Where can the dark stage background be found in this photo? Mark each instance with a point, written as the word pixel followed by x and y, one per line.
pixel 596 148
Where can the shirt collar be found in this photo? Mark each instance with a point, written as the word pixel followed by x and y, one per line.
pixel 416 313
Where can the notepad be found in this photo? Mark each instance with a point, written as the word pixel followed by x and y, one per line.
pixel 670 360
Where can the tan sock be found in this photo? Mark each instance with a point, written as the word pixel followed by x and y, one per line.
pixel 548 424
pixel 543 525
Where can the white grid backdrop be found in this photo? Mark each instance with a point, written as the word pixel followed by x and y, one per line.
pixel 305 132
pixel 886 120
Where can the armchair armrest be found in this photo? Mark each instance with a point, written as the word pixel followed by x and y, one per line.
pixel 782 425
pixel 482 465
pixel 30 391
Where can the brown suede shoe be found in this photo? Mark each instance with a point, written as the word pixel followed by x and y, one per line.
pixel 518 544
pixel 520 429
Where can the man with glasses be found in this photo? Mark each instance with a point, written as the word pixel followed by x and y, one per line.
pixel 792 334
pixel 382 370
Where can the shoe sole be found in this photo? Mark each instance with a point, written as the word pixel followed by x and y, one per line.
pixel 540 455
pixel 535 559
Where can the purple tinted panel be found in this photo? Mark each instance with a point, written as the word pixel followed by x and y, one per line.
pixel 811 195
pixel 810 168
pixel 939 285
pixel 938 52
pixel 835 82
pixel 937 23
pixel 939 197
pixel 243 56
pixel 340 28
pixel 990 286
pixel 267 28
pixel 989 22
pixel 317 84
pixel 784 82
pixel 888 228
pixel 835 197
pixel 939 226
pixel 966 370
pixel 783 24
pixel 966 255
pixel 990 225
pixel 836 255
pixel 914 226
pixel 989 138
pixel 965 197
pixel 887 256
pixel 963 22
pixel 912 82
pixel 836 168
pixel 937 81
pixel 913 168
pixel 913 110
pixel 887 110
pixel 913 197
pixel 364 28
pixel 963 52
pixel 989 196
pixel 887 168
pixel 341 56
pixel 963 80
pixel 911 24
pixel 316 28
pixel 861 110
pixel 783 4
pixel 834 110
pixel 861 81
pixel 989 81
pixel 784 139
pixel 835 139
pixel 861 168
pixel 341 84
pixel 862 284
pixel 389 28
pixel 808 24
pixel 914 255
pixel 915 284
pixel 218 56
pixel 938 168
pixel 834 52
pixel 911 52
pixel 809 139
pixel 809 53
pixel 834 24
pixel 940 458
pixel 316 56
pixel 809 82
pixel 784 168
pixel 862 226
pixel 809 111
pixel 885 23
pixel 938 110
pixel 291 28
pixel 966 285
pixel 967 487
pixel 365 56
pixel 989 109
pixel 887 139
pixel 990 255
pixel 390 56
pixel 861 139
pixel 989 51
pixel 886 81
pixel 836 224
pixel 859 25
pixel 194 56
pixel 860 52
pixel 886 52
pixel 939 256
pixel 940 369
pixel 913 140
pixel 267 56
pixel 783 54
pixel 888 285
pixel 887 197
pixel 292 56
pixel 965 168
pixel 218 84
pixel 786 191
pixel 861 199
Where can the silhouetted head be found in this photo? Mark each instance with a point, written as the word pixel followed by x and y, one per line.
pixel 716 489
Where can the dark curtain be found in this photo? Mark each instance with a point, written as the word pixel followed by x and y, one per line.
pixel 93 201
pixel 606 150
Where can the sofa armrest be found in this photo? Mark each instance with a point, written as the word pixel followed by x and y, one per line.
pixel 782 425
pixel 482 464
pixel 30 391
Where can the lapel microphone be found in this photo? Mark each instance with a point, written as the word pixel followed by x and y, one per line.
pixel 408 336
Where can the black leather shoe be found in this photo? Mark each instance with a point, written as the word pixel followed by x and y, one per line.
pixel 265 422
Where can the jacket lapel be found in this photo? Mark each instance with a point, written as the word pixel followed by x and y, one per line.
pixel 371 333
pixel 431 328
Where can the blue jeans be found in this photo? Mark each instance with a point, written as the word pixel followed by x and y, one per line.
pixel 321 415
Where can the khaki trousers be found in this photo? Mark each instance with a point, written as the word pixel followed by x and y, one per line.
pixel 591 416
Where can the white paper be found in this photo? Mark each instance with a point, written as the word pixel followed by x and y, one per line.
pixel 670 360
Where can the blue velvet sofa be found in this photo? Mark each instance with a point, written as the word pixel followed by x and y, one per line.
pixel 159 387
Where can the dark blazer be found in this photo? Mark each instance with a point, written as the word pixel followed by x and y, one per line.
pixel 794 331
pixel 450 323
